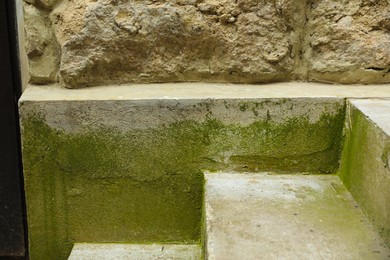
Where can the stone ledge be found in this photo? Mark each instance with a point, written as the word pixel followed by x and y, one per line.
pixel 205 91
pixel 377 110
pixel 132 251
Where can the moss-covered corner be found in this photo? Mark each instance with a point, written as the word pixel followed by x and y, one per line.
pixel 146 185
pixel 363 170
pixel 102 186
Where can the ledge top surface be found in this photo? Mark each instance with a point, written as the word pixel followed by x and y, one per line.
pixel 104 251
pixel 205 91
pixel 377 110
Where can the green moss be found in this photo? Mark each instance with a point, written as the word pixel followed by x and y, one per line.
pixel 351 146
pixel 363 171
pixel 103 185
pixel 293 146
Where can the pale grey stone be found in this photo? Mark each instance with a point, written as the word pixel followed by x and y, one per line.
pixel 135 252
pixel 377 110
pixel 206 91
pixel 263 216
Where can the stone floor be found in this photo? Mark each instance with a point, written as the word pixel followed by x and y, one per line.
pixel 265 216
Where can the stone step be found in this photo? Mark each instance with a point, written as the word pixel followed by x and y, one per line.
pixel 84 251
pixel 128 159
pixel 265 216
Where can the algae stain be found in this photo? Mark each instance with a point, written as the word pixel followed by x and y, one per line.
pixel 362 170
pixel 83 186
pixel 151 188
pixel 386 156
pixel 351 160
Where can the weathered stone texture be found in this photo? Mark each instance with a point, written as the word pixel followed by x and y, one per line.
pixel 157 41
pixel 44 4
pixel 41 46
pixel 140 41
pixel 349 41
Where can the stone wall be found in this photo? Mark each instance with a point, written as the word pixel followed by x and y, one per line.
pixel 81 43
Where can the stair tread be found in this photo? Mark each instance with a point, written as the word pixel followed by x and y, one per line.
pixel 377 110
pixel 107 251
pixel 265 216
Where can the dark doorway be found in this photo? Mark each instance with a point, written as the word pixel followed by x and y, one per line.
pixel 12 232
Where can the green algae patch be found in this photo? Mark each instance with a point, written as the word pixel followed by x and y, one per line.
pixel 145 185
pixel 102 186
pixel 363 170
pixel 294 146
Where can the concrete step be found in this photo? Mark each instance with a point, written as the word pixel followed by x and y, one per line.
pixel 265 216
pixel 134 252
pixel 128 159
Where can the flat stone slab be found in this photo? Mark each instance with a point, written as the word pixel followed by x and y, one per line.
pixel 134 252
pixel 377 110
pixel 252 216
pixel 204 91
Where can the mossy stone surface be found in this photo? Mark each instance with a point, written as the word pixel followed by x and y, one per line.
pixel 286 216
pixel 98 181
pixel 364 168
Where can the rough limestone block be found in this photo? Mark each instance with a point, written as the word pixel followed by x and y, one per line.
pixel 245 41
pixel 348 41
pixel 365 167
pixel 110 41
pixel 43 4
pixel 41 46
pixel 130 170
pixel 260 216
pixel 135 252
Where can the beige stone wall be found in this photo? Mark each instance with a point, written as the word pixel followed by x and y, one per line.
pixel 81 43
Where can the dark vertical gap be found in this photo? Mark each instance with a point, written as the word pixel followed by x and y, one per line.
pixel 13 231
pixel 14 49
